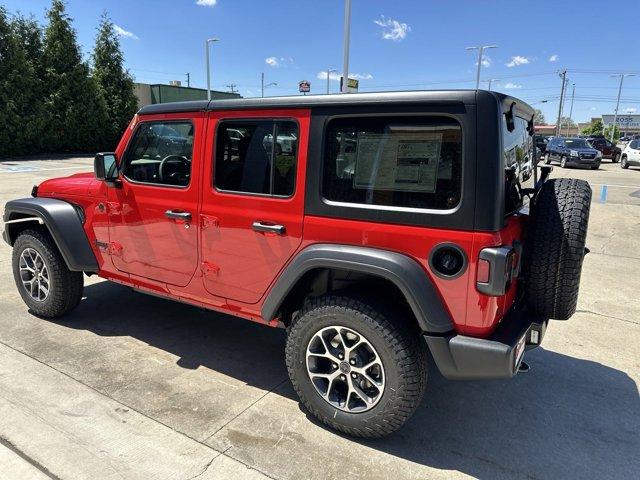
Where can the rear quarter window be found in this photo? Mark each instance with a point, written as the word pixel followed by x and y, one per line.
pixel 412 162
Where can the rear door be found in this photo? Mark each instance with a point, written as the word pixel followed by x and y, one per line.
pixel 252 200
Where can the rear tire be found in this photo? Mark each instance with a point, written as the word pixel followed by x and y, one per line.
pixel 556 247
pixel 36 257
pixel 402 359
pixel 615 158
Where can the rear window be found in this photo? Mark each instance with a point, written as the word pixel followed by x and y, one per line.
pixel 577 143
pixel 519 162
pixel 413 162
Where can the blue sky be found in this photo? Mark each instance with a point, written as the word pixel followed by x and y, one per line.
pixel 400 45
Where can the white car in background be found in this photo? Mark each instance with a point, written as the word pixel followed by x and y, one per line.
pixel 631 154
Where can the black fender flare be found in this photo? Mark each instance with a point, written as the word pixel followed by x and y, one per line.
pixel 63 223
pixel 401 270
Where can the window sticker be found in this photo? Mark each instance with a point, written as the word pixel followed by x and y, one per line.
pixel 406 161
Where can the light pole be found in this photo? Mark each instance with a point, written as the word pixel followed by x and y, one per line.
pixel 481 49
pixel 563 75
pixel 573 94
pixel 492 80
pixel 345 46
pixel 329 71
pixel 206 47
pixel 615 114
pixel 263 86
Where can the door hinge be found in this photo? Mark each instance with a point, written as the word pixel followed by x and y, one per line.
pixel 115 249
pixel 207 221
pixel 209 268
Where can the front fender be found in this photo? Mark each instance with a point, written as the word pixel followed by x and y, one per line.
pixel 63 223
pixel 403 271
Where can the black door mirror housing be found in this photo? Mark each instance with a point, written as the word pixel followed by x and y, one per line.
pixel 105 166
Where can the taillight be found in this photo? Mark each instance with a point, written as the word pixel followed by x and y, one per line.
pixel 497 267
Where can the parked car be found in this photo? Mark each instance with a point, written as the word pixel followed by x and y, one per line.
pixel 572 152
pixel 607 148
pixel 541 142
pixel 631 154
pixel 419 248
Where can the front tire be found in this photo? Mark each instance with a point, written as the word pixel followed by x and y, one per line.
pixel 624 163
pixel 547 159
pixel 563 162
pixel 45 283
pixel 357 368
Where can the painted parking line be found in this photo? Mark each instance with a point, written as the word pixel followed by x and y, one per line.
pixel 603 194
pixel 28 168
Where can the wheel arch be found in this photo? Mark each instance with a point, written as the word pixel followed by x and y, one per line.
pixel 404 273
pixel 61 220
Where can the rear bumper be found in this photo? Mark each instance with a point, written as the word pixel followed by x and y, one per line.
pixel 460 357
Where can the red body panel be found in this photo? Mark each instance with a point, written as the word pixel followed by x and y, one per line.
pixel 219 262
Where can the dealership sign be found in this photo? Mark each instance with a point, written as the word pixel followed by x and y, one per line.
pixel 304 86
pixel 623 121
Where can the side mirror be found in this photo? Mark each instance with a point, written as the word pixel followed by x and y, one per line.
pixel 105 166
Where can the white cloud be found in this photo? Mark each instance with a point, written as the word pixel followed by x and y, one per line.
pixel 554 58
pixel 517 60
pixel 593 109
pixel 511 86
pixel 278 61
pixel 392 29
pixel 207 3
pixel 486 61
pixel 631 110
pixel 335 76
pixel 124 33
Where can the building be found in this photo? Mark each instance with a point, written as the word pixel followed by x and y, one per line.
pixel 159 93
pixel 628 124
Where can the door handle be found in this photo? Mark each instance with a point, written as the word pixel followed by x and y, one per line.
pixel 177 215
pixel 259 226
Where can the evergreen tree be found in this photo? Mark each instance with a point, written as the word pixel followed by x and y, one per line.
pixel 114 82
pixel 75 110
pixel 31 109
pixel 12 73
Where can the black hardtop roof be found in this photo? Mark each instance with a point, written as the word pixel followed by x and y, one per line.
pixel 449 97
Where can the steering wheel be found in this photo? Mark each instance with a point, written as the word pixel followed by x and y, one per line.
pixel 181 160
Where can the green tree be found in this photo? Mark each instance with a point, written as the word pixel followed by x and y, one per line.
pixel 75 110
pixel 595 128
pixel 114 82
pixel 607 132
pixel 538 118
pixel 30 109
pixel 566 122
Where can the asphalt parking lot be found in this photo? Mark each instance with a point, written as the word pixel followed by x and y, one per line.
pixel 134 387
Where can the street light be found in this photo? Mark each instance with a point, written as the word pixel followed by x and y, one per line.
pixel 492 80
pixel 615 114
pixel 263 86
pixel 345 46
pixel 206 48
pixel 329 71
pixel 481 49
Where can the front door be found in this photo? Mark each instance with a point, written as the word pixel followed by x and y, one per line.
pixel 153 227
pixel 253 200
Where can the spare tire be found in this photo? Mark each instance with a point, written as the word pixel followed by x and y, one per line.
pixel 555 247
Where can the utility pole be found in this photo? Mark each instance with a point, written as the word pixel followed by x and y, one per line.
pixel 263 86
pixel 345 46
pixel 573 94
pixel 232 87
pixel 563 75
pixel 329 70
pixel 481 49
pixel 188 79
pixel 615 114
pixel 206 48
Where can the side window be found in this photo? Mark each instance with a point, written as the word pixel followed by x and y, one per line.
pixel 160 153
pixel 393 161
pixel 247 160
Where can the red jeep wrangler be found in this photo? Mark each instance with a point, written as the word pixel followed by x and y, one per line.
pixel 373 227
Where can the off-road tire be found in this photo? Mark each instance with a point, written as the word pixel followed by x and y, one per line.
pixel 399 346
pixel 66 287
pixel 556 247
pixel 624 163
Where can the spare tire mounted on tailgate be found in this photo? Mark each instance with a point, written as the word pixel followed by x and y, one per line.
pixel 556 246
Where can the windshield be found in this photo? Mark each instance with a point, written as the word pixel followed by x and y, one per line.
pixel 577 143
